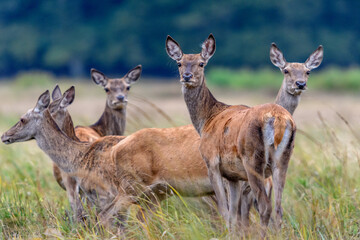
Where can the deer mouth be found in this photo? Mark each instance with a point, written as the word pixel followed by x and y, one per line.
pixel 119 104
pixel 187 83
pixel 297 91
pixel 6 139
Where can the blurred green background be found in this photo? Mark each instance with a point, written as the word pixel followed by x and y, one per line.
pixel 68 37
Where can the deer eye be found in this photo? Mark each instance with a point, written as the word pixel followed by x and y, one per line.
pixel 286 71
pixel 128 88
pixel 308 72
pixel 179 64
pixel 22 120
pixel 201 64
pixel 106 90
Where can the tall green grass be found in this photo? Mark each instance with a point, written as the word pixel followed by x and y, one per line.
pixel 321 198
pixel 334 79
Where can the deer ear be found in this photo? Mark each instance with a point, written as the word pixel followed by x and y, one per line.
pixel 134 74
pixel 173 49
pixel 98 77
pixel 68 97
pixel 277 57
pixel 43 102
pixel 56 93
pixel 315 58
pixel 208 48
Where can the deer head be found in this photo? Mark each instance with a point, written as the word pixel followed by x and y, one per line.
pixel 29 123
pixel 191 66
pixel 117 88
pixel 58 107
pixel 295 74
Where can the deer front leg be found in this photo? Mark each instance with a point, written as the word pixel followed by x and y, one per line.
pixel 218 186
pixel 72 192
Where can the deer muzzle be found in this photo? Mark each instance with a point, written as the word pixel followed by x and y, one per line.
pixel 187 77
pixel 5 139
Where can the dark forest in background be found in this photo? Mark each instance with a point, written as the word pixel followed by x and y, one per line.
pixel 68 37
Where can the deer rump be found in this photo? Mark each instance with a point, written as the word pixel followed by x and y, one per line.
pixel 263 131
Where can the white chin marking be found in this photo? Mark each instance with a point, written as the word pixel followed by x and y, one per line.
pixel 298 91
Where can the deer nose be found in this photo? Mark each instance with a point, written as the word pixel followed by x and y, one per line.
pixel 300 84
pixel 121 97
pixel 187 76
pixel 5 139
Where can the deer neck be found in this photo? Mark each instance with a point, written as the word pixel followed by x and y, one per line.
pixel 201 104
pixel 111 122
pixel 64 151
pixel 287 100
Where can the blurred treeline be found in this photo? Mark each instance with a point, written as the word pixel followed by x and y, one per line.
pixel 68 37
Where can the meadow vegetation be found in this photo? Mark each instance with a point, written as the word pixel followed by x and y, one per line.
pixel 321 197
pixel 333 79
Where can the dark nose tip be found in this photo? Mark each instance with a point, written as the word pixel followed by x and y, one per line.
pixel 121 97
pixel 300 84
pixel 4 138
pixel 187 76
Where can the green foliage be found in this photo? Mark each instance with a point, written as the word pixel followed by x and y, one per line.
pixel 34 79
pixel 337 79
pixel 69 37
pixel 245 78
pixel 334 79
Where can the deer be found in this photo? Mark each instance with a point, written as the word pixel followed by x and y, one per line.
pixel 109 189
pixel 237 142
pixel 295 76
pixel 294 84
pixel 113 119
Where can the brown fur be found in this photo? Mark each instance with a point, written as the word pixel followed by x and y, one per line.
pixel 279 125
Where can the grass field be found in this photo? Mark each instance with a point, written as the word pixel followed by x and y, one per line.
pixel 322 193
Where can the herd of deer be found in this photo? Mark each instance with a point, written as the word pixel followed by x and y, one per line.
pixel 238 153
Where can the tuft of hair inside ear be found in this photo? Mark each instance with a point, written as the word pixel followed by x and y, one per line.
pixel 277 57
pixel 208 48
pixel 174 50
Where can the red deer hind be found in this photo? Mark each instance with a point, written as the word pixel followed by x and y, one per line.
pixel 113 119
pixel 294 84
